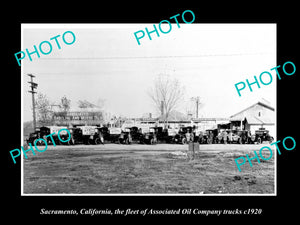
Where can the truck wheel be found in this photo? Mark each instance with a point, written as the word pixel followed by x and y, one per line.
pixel 32 143
pixel 39 143
pixel 183 141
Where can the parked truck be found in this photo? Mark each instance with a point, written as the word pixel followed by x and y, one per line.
pixel 114 134
pixel 148 136
pixel 39 133
pixel 125 136
pixel 208 136
pixel 261 135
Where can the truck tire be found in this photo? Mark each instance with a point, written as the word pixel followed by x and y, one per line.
pixel 32 143
pixel 184 141
pixel 39 143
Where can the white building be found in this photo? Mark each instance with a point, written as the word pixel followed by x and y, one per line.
pixel 258 115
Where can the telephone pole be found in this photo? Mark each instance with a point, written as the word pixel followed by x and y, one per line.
pixel 33 86
pixel 197 101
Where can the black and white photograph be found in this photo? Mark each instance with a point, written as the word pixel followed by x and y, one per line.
pixel 129 109
pixel 151 112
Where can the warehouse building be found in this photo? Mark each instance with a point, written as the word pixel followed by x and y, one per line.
pixel 256 116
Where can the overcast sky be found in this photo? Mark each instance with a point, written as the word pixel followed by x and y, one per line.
pixel 105 62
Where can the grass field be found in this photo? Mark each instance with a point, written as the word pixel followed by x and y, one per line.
pixel 146 169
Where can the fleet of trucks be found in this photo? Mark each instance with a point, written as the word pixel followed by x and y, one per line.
pixel 149 135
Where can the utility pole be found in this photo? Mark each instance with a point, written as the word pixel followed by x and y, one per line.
pixel 33 86
pixel 197 101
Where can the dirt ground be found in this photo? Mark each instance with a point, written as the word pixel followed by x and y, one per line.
pixel 146 169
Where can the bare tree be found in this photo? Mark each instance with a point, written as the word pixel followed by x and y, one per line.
pixel 166 95
pixel 85 104
pixel 65 104
pixel 44 111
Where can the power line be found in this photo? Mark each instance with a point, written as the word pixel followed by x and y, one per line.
pixel 152 57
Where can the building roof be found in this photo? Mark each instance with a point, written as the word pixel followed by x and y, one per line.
pixel 258 103
pixel 260 120
pixel 266 114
